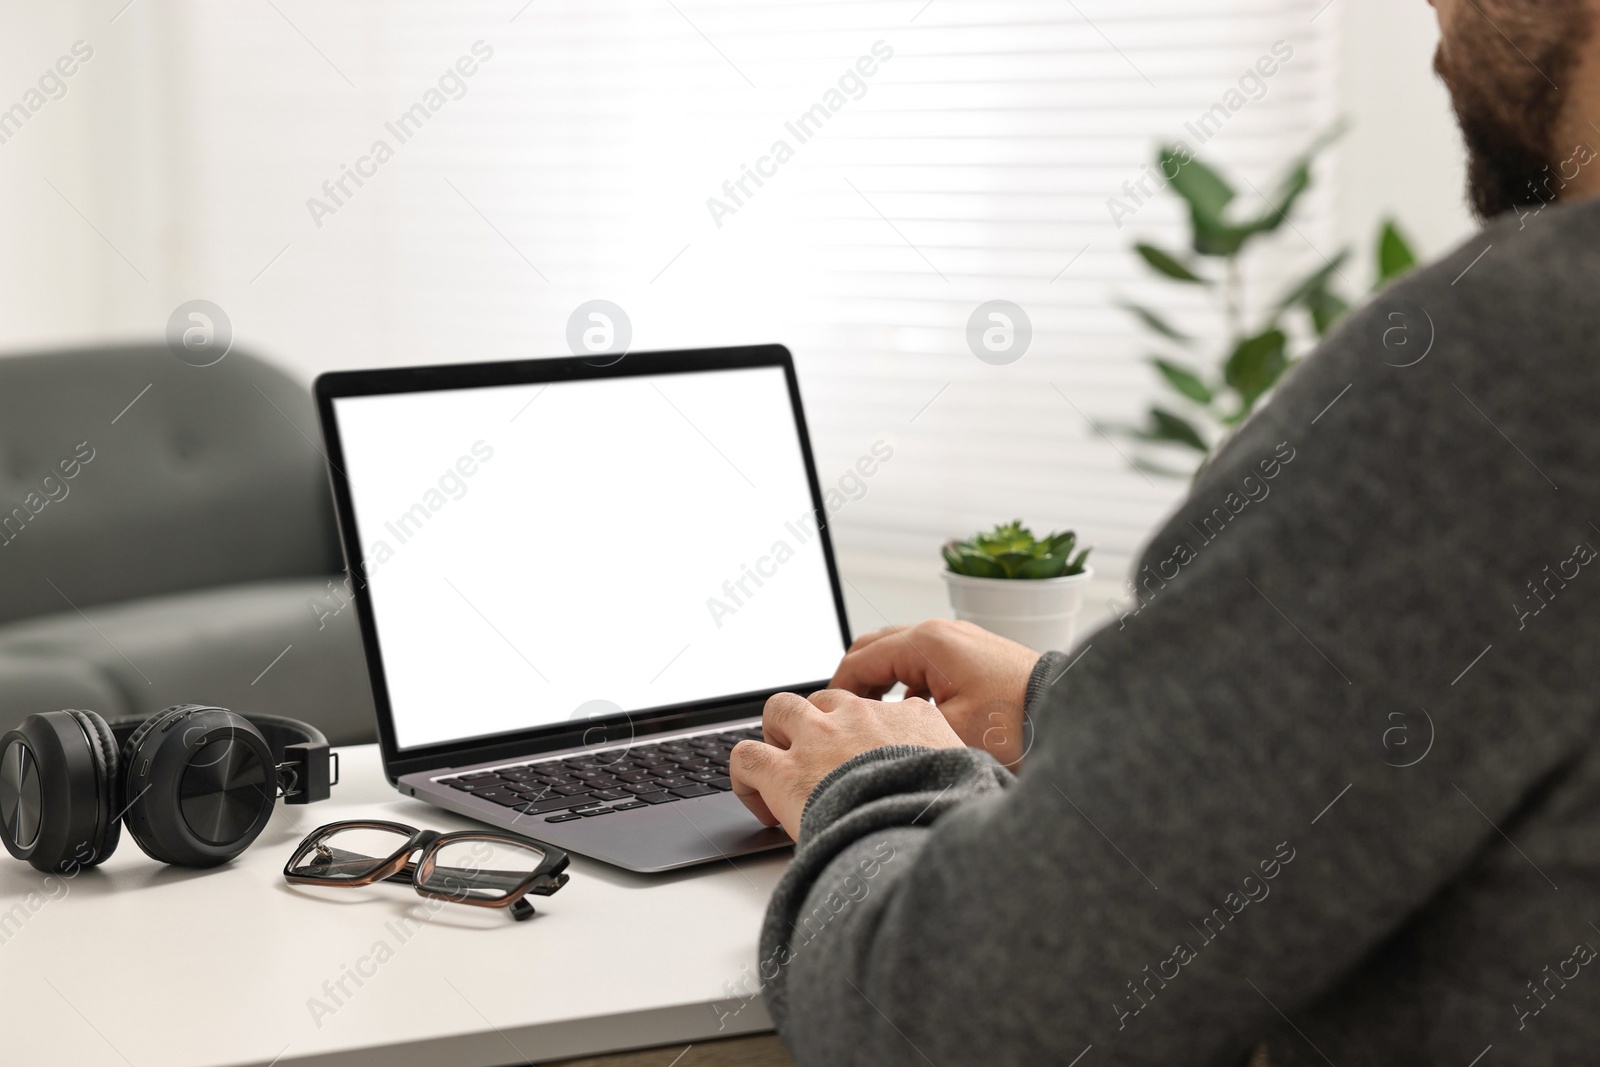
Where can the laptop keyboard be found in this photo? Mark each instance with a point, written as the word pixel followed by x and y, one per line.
pixel 566 789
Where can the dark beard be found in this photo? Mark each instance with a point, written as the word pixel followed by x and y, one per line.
pixel 1507 108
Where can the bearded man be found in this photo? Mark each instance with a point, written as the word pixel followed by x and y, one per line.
pixel 1334 797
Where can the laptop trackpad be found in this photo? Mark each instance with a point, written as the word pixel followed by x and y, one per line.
pixel 666 836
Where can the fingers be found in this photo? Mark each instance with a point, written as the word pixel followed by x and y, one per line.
pixel 832 699
pixel 782 717
pixel 750 768
pixel 866 639
pixel 871 692
pixel 871 669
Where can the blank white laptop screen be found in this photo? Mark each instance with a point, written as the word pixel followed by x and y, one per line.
pixel 544 553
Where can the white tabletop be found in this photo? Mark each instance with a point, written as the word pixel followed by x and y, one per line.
pixel 142 965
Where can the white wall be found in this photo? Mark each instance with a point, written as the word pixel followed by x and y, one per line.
pixel 115 147
pixel 107 148
pixel 47 284
pixel 87 230
pixel 1403 155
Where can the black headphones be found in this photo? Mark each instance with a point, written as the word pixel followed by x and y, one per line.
pixel 195 785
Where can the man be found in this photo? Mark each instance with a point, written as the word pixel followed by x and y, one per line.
pixel 1333 794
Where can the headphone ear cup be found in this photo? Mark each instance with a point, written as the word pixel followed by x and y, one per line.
pixel 136 738
pixel 103 751
pixel 199 785
pixel 58 773
pixel 137 792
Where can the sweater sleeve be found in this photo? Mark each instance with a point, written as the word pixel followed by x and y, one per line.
pixel 1046 673
pixel 1328 692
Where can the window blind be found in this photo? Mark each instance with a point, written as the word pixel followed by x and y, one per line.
pixel 936 155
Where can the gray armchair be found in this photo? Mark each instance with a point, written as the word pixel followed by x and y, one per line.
pixel 166 536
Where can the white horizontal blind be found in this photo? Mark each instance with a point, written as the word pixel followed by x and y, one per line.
pixel 977 165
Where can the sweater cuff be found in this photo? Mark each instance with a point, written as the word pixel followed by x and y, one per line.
pixel 1048 671
pixel 885 754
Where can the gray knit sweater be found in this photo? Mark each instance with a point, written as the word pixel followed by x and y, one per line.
pixel 1331 783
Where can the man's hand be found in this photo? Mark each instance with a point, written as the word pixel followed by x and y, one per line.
pixel 978 679
pixel 806 739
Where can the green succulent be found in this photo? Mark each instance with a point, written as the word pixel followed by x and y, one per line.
pixel 1011 551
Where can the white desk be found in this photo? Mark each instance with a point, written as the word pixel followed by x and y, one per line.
pixel 143 965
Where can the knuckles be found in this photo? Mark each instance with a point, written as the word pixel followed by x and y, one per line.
pixel 750 755
pixel 777 701
pixel 948 630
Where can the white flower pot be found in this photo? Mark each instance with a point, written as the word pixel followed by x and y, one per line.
pixel 1037 612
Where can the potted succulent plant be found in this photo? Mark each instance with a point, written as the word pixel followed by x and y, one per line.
pixel 1018 586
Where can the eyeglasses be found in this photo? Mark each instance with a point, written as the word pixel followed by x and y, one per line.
pixel 481 868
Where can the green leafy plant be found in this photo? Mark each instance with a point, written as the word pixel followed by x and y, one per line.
pixel 1011 551
pixel 1210 401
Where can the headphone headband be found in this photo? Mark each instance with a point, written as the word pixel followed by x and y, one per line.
pixel 306 768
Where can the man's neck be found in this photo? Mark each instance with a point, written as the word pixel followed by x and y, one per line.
pixel 1575 151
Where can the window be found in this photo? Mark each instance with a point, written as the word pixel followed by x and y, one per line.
pixel 940 154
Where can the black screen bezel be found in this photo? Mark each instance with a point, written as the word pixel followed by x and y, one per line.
pixel 341 384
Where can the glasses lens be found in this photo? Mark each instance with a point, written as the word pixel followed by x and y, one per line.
pixel 479 868
pixel 348 852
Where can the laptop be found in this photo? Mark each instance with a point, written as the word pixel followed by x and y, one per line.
pixel 578 581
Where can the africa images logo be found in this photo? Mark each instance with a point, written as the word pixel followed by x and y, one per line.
pixel 199 333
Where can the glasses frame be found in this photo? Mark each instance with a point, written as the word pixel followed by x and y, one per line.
pixel 544 880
